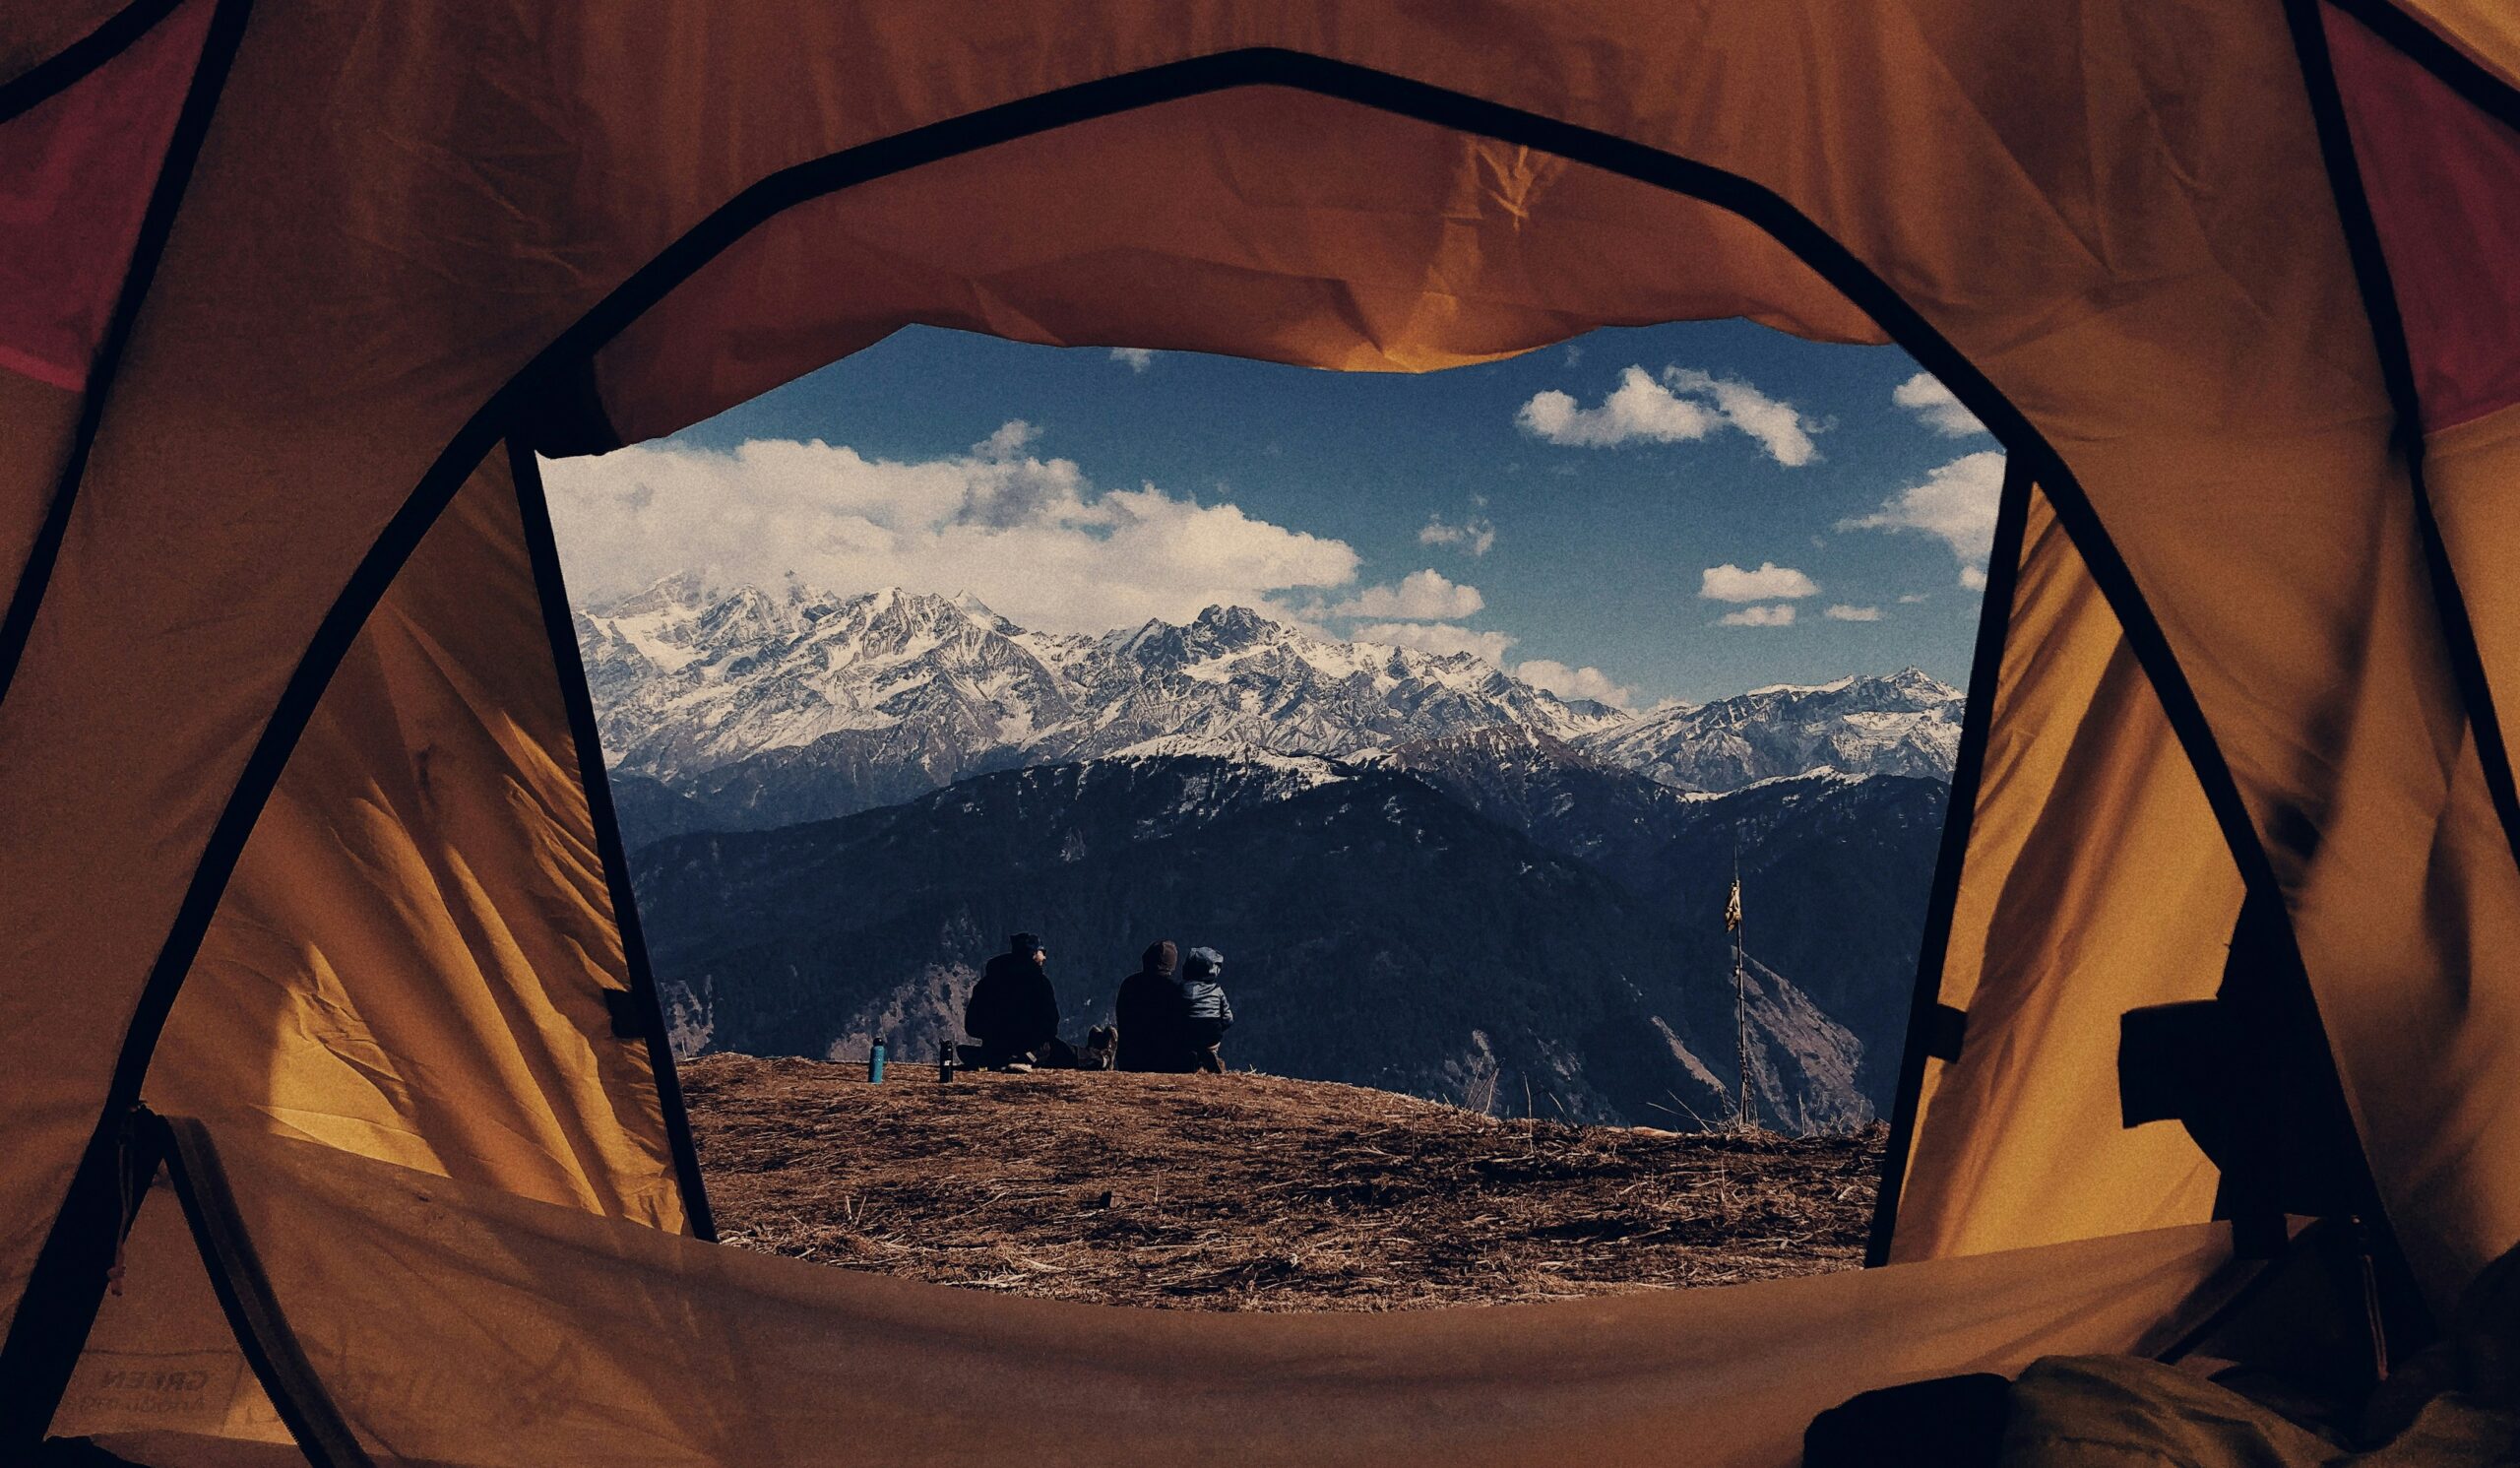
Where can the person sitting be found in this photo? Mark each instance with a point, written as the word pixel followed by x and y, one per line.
pixel 1173 1022
pixel 1145 1010
pixel 1206 1013
pixel 1012 1012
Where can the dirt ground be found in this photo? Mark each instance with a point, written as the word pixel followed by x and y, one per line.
pixel 1250 1191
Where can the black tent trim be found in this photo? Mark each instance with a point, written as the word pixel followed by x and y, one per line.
pixel 2397 369
pixel 165 197
pixel 65 68
pixel 2488 92
pixel 245 1297
pixel 68 1276
pixel 551 592
pixel 1986 670
pixel 199 1184
pixel 60 1301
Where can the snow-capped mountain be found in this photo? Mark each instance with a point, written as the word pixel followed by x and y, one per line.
pixel 765 708
pixel 750 708
pixel 1904 723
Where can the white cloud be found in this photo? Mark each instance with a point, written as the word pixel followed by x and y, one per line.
pixel 1421 596
pixel 1440 638
pixel 1924 396
pixel 1010 439
pixel 1576 683
pixel 1779 615
pixel 1972 578
pixel 1852 613
pixel 1956 502
pixel 1914 598
pixel 1638 409
pixel 1139 358
pixel 1030 536
pixel 1778 429
pixel 1476 535
pixel 1683 405
pixel 1770 582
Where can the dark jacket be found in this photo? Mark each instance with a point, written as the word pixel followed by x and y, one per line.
pixel 1013 1007
pixel 1147 1012
pixel 1168 1021
pixel 1206 1013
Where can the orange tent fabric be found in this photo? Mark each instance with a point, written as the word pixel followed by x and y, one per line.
pixel 277 739
pixel 501 1333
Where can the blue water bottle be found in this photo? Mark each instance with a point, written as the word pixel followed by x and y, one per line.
pixel 875 1063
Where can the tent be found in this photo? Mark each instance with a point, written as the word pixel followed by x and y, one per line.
pixel 310 890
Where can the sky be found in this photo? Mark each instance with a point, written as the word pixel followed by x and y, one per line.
pixel 1683 511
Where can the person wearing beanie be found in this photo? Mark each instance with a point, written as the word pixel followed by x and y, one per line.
pixel 1013 1013
pixel 1204 1013
pixel 1145 1010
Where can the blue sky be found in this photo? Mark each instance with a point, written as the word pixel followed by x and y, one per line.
pixel 1679 530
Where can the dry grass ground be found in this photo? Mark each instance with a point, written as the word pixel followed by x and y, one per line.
pixel 1250 1191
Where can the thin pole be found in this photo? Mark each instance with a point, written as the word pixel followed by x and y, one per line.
pixel 1745 1111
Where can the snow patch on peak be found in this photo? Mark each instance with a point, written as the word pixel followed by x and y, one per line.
pixel 1839 686
pixel 1904 723
pixel 1312 769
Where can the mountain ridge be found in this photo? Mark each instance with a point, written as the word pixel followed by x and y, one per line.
pixel 1379 930
pixel 748 708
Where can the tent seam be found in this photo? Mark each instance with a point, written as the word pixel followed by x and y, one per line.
pixel 1960 809
pixel 27 1405
pixel 543 551
pixel 253 1313
pixel 2378 289
pixel 2435 53
pixel 76 62
pixel 165 199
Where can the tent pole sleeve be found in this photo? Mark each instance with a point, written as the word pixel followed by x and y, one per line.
pixel 65 68
pixel 2397 369
pixel 551 592
pixel 1986 675
pixel 67 1282
pixel 245 1297
pixel 2485 92
pixel 165 199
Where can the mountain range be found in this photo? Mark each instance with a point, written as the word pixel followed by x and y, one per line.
pixel 1378 931
pixel 1427 874
pixel 746 709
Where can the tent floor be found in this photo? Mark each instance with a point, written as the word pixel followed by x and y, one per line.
pixel 1249 1191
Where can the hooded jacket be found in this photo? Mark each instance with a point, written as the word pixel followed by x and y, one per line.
pixel 1148 1012
pixel 1203 998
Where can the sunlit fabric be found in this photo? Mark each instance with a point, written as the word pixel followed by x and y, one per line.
pixel 410 962
pixel 2017 1141
pixel 501 1333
